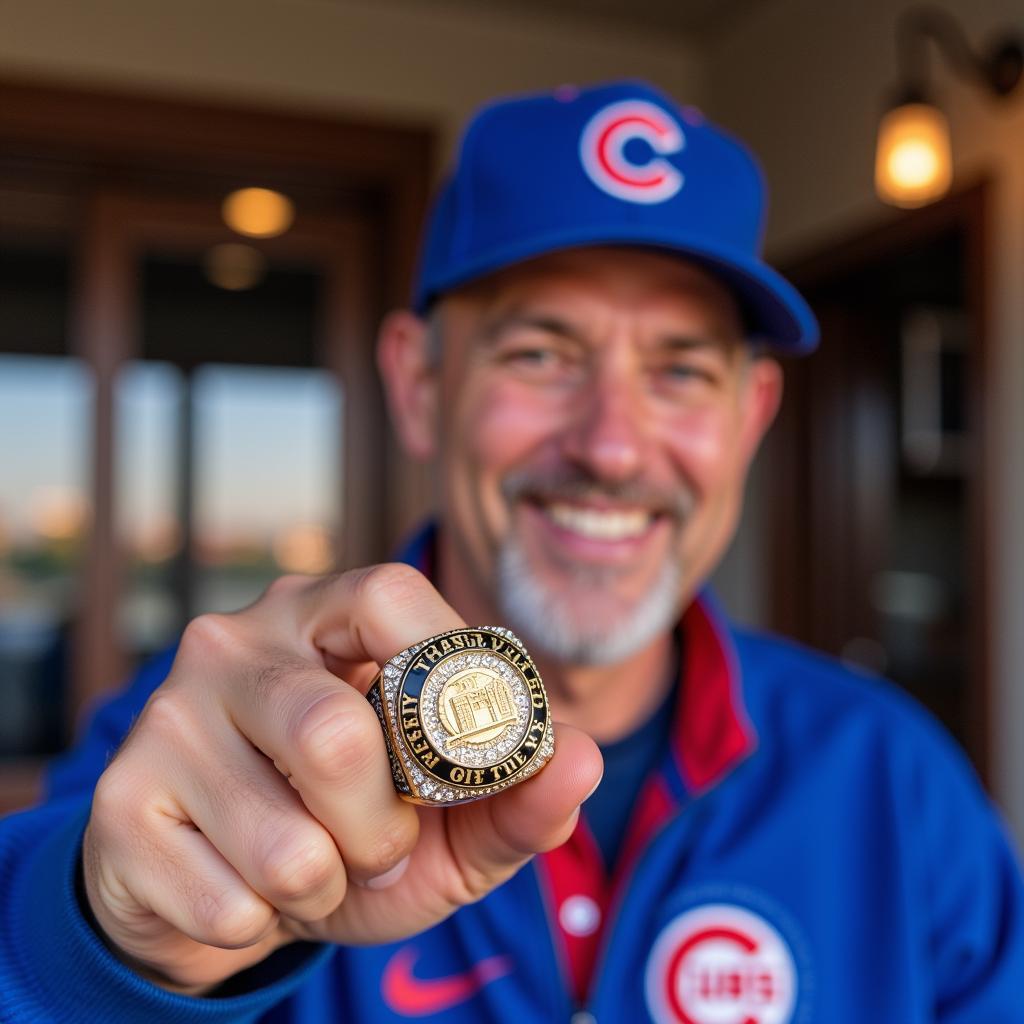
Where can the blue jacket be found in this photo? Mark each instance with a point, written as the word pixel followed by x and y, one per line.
pixel 811 848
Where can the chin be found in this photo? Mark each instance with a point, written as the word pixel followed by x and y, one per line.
pixel 584 622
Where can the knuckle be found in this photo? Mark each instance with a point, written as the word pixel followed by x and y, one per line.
pixel 168 716
pixel 231 921
pixel 112 798
pixel 333 740
pixel 469 886
pixel 209 636
pixel 297 871
pixel 392 842
pixel 128 807
pixel 391 585
pixel 272 682
pixel 473 882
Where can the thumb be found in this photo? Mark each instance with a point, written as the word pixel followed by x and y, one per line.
pixel 490 839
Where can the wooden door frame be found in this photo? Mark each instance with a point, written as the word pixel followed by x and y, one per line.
pixel 101 140
pixel 106 332
pixel 967 210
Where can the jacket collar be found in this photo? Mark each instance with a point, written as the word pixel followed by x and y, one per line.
pixel 712 731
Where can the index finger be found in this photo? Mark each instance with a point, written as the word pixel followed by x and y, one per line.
pixel 369 615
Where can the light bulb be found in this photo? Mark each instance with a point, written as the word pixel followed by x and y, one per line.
pixel 258 212
pixel 913 164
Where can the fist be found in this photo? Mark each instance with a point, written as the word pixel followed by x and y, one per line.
pixel 252 803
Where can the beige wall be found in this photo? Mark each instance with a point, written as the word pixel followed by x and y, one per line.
pixel 804 81
pixel 429 60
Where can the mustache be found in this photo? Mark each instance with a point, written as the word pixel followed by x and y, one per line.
pixel 571 483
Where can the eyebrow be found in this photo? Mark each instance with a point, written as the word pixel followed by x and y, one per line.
pixel 518 318
pixel 551 323
pixel 694 342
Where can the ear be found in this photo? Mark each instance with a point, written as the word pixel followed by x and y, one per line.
pixel 762 394
pixel 410 381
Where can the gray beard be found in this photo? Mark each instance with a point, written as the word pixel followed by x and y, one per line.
pixel 552 624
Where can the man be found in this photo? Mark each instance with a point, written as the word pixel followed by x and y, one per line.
pixel 774 839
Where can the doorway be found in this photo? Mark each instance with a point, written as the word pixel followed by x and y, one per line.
pixel 878 536
pixel 170 442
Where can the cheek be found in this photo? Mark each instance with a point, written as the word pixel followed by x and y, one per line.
pixel 500 423
pixel 705 447
pixel 704 444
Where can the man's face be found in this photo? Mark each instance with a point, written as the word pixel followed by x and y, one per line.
pixel 596 411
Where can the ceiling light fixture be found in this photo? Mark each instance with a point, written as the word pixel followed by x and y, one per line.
pixel 234 267
pixel 258 212
pixel 913 158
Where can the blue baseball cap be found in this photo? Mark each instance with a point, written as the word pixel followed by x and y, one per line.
pixel 611 164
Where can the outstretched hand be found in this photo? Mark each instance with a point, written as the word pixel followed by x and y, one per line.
pixel 252 803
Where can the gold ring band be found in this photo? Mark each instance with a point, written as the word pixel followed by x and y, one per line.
pixel 464 715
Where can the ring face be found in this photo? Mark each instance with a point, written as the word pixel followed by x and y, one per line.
pixel 464 714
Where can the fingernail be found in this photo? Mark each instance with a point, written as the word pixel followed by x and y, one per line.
pixel 388 878
pixel 593 789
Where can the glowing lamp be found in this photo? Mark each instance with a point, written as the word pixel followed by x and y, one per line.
pixel 913 161
pixel 258 212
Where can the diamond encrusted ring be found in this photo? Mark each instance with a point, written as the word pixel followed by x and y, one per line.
pixel 464 715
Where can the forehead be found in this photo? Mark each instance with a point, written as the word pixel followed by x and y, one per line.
pixel 598 282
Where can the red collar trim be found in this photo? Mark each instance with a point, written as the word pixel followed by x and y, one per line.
pixel 712 732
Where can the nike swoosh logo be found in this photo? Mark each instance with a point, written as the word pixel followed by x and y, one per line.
pixel 417 997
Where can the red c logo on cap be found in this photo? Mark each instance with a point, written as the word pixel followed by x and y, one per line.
pixel 605 137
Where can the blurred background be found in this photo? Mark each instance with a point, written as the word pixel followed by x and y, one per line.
pixel 205 207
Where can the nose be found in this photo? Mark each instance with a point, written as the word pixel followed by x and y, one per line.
pixel 608 432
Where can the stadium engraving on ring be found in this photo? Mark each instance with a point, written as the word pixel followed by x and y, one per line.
pixel 465 713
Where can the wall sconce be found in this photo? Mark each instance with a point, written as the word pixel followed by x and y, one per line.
pixel 913 161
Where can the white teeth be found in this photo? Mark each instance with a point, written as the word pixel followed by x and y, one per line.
pixel 599 524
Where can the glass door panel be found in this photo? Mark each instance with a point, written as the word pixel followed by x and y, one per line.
pixel 228 440
pixel 45 432
pixel 267 491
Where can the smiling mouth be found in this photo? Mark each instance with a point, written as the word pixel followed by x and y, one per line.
pixel 608 524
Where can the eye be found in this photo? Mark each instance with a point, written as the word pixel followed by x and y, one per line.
pixel 539 359
pixel 688 371
pixel 530 355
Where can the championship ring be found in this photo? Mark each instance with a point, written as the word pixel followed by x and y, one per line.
pixel 464 715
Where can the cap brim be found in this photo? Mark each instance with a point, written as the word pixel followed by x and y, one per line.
pixel 775 312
